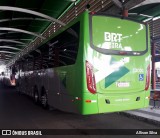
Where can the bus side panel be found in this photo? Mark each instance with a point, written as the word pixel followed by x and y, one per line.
pixel 72 79
pixel 61 90
pixel 89 103
pixel 53 89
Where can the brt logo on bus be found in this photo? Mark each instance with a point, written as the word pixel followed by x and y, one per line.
pixel 113 40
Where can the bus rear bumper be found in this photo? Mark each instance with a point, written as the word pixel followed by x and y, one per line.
pixel 107 103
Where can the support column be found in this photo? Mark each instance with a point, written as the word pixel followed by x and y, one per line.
pixel 125 12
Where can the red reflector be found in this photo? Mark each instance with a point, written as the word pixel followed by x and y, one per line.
pixel 91 83
pixel 88 101
pixel 123 53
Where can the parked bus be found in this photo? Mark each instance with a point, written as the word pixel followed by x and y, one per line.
pixel 8 77
pixel 95 64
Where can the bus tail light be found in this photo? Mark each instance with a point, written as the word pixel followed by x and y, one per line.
pixel 91 83
pixel 12 80
pixel 147 78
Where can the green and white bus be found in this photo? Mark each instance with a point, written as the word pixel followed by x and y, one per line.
pixel 95 64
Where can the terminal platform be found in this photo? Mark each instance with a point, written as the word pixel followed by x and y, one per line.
pixel 150 114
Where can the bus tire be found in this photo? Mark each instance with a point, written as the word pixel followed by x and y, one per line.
pixel 44 98
pixel 36 96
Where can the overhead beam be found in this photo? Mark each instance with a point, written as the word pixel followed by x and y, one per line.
pixel 145 2
pixel 4 59
pixel 8 56
pixel 10 47
pixel 128 4
pixel 7 52
pixel 12 41
pixel 7 33
pixel 10 8
pixel 19 19
pixel 14 45
pixel 23 39
pixel 118 3
pixel 144 15
pixel 21 31
pixel 21 45
pixel 4 62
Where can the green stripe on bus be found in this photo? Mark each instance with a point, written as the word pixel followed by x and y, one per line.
pixel 115 76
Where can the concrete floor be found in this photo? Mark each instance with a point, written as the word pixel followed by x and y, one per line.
pixel 19 112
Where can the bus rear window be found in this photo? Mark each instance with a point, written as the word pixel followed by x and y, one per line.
pixel 116 34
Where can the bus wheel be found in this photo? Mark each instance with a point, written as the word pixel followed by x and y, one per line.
pixel 36 96
pixel 44 99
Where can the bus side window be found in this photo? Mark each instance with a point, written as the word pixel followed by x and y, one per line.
pixel 65 47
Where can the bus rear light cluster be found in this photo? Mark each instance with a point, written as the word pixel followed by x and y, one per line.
pixel 147 78
pixel 91 83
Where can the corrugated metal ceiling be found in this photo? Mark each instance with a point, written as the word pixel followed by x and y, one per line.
pixel 54 8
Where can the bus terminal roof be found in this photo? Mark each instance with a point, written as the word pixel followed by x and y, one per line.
pixel 26 23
